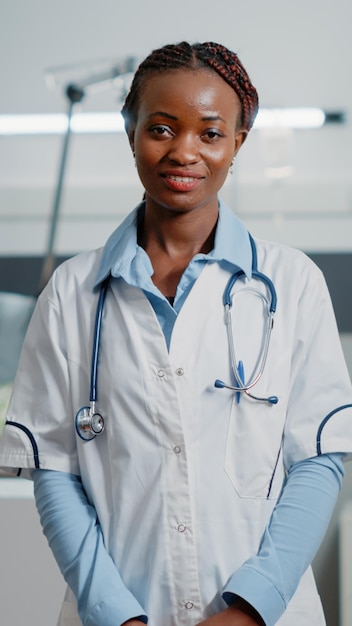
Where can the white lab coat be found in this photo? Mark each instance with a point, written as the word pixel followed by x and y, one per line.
pixel 183 478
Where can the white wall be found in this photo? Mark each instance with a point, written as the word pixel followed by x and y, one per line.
pixel 298 53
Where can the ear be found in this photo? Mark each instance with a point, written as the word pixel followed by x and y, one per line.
pixel 240 138
pixel 130 134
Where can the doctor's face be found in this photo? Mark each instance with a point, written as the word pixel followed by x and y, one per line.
pixel 186 135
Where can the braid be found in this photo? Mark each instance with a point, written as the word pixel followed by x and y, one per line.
pixel 166 59
pixel 230 68
pixel 186 56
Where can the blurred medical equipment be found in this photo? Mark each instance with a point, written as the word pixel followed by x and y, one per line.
pixel 118 74
pixel 16 309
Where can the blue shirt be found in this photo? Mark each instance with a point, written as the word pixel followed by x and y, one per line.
pixel 268 580
pixel 123 257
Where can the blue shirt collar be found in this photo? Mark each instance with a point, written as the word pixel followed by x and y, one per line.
pixel 231 246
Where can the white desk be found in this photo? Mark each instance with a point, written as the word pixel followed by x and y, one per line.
pixel 31 586
pixel 345 550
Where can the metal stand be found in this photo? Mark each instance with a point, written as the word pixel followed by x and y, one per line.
pixel 74 94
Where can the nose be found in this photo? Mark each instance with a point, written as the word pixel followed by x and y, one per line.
pixel 184 149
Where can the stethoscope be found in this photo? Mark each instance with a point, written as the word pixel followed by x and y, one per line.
pixel 237 367
pixel 89 423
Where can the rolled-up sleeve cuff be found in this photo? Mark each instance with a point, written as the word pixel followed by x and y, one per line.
pixel 258 591
pixel 112 611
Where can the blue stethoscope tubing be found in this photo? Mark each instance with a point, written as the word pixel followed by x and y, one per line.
pixel 96 342
pixel 89 423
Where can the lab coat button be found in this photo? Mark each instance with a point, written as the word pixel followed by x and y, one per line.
pixel 181 528
pixel 161 373
pixel 180 371
pixel 177 450
pixel 189 605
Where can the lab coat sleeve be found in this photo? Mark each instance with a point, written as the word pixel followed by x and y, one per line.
pixel 70 524
pixel 319 409
pixel 297 526
pixel 41 410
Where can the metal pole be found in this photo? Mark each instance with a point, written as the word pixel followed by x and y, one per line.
pixel 74 95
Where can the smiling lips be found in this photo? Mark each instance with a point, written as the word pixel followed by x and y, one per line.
pixel 185 182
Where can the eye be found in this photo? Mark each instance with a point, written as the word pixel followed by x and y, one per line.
pixel 160 130
pixel 213 134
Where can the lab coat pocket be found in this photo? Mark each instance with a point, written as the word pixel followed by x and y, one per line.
pixel 253 456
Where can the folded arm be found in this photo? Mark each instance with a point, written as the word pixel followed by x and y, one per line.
pixel 257 593
pixel 268 580
pixel 74 535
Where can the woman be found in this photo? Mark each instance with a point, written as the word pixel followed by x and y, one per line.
pixel 195 504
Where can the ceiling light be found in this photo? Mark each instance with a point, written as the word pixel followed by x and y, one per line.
pixel 56 124
pixel 111 122
pixel 290 118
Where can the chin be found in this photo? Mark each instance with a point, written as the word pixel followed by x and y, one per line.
pixel 180 203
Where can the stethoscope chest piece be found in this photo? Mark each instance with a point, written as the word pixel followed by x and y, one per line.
pixel 88 423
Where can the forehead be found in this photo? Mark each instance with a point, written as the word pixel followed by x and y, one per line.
pixel 198 89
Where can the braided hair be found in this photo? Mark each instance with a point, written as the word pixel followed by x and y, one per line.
pixel 212 55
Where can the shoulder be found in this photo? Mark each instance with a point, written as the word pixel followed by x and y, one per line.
pixel 80 265
pixel 282 258
pixel 74 277
pixel 298 281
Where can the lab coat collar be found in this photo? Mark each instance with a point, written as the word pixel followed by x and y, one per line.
pixel 231 247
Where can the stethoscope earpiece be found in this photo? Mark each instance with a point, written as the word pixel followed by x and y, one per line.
pixel 273 399
pixel 219 384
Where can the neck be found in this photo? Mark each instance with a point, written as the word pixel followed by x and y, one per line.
pixel 171 239
pixel 177 234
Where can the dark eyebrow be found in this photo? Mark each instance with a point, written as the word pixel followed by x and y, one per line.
pixel 163 114
pixel 206 118
pixel 212 118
